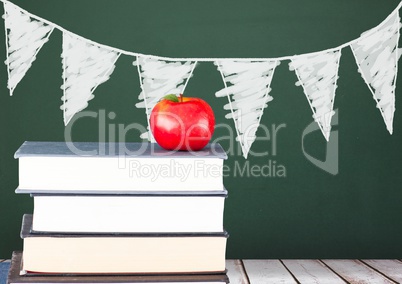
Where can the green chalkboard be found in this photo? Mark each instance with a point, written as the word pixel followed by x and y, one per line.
pixel 351 209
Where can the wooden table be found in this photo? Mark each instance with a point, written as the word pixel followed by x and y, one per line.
pixel 314 271
pixel 308 271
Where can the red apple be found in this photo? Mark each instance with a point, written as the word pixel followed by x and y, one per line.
pixel 182 123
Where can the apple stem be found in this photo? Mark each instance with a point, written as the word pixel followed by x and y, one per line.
pixel 181 98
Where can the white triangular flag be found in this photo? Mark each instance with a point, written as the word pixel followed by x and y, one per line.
pixel 247 86
pixel 318 74
pixel 376 54
pixel 85 66
pixel 24 39
pixel 159 78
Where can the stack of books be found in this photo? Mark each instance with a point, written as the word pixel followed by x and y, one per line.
pixel 121 213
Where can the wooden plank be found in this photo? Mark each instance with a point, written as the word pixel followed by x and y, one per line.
pixel 235 272
pixel 311 271
pixel 267 271
pixel 355 272
pixel 390 267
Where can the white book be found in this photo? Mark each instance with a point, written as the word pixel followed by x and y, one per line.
pixel 111 167
pixel 139 213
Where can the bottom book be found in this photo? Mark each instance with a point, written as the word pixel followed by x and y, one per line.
pixel 15 277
